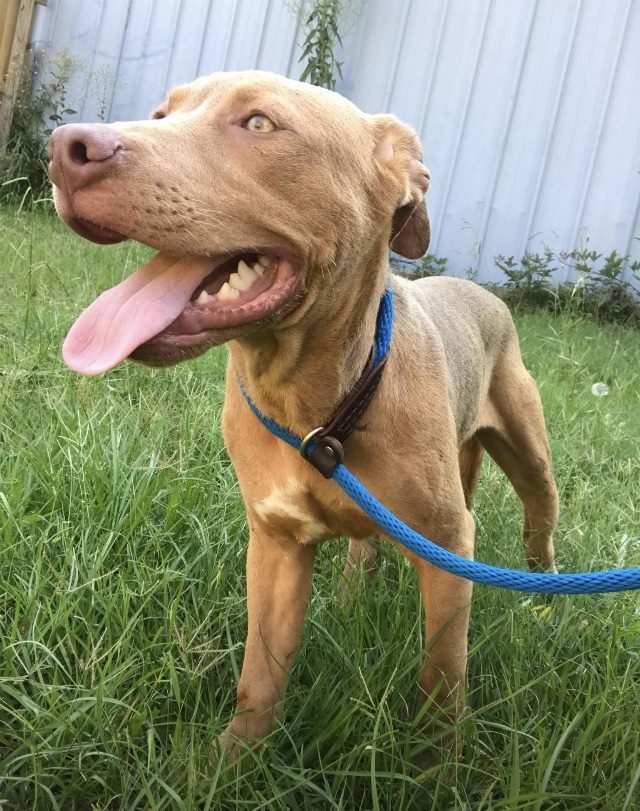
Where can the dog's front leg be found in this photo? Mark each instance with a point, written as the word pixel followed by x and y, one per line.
pixel 447 602
pixel 278 586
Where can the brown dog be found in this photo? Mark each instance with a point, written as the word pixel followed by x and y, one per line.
pixel 273 205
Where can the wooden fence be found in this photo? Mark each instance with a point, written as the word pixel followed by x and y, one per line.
pixel 16 18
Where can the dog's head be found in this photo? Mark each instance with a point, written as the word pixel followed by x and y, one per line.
pixel 263 197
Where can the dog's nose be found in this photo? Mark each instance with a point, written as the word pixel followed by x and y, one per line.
pixel 81 154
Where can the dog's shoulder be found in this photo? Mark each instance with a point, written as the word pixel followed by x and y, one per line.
pixel 459 306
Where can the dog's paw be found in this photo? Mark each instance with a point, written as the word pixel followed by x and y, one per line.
pixel 231 745
pixel 229 748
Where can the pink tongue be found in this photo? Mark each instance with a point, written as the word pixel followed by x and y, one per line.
pixel 131 313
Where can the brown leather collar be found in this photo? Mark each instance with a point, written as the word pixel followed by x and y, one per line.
pixel 323 446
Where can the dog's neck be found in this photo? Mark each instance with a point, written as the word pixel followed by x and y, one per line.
pixel 297 375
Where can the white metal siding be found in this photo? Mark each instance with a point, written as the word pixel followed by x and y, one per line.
pixel 527 109
pixel 145 47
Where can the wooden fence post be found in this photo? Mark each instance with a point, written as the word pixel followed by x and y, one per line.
pixel 10 82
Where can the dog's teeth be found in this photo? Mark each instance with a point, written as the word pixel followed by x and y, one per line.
pixel 267 261
pixel 236 282
pixel 203 298
pixel 244 269
pixel 227 292
pixel 243 278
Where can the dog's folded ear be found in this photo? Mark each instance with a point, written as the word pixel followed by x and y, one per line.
pixel 405 179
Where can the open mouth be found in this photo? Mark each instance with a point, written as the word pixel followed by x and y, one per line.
pixel 234 293
pixel 173 308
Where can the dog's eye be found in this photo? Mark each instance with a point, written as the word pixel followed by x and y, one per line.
pixel 259 123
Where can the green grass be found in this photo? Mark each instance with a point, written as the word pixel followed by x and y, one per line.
pixel 122 600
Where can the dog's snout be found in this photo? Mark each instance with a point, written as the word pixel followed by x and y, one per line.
pixel 82 153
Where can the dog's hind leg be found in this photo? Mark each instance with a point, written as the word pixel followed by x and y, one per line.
pixel 362 558
pixel 516 438
pixel 470 457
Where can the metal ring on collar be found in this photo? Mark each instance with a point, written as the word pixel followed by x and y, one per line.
pixel 308 439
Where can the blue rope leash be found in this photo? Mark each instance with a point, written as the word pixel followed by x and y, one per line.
pixel 515 579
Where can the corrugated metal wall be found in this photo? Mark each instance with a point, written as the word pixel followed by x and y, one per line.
pixel 138 49
pixel 527 109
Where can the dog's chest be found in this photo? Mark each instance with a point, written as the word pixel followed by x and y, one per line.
pixel 289 507
pixel 308 513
